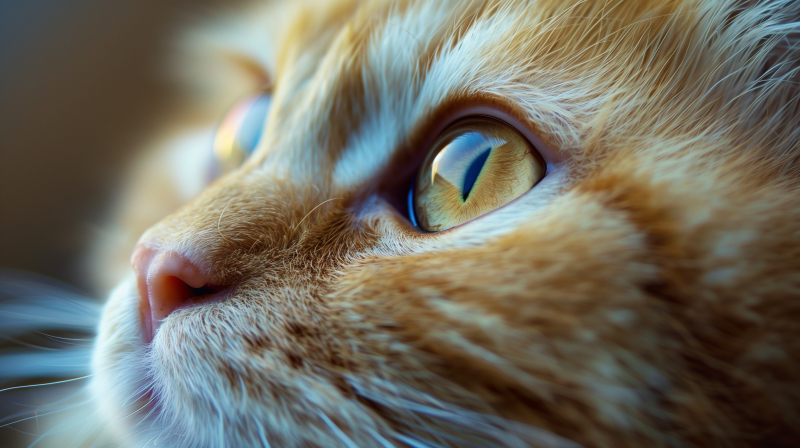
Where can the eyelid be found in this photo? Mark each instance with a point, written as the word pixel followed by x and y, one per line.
pixel 549 154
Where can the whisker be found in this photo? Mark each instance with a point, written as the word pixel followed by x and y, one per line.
pixel 219 221
pixel 309 213
pixel 138 393
pixel 71 396
pixel 47 384
pixel 41 415
pixel 61 338
pixel 137 411
pixel 82 435
pixel 30 345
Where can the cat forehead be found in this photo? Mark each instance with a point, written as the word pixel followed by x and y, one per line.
pixel 354 81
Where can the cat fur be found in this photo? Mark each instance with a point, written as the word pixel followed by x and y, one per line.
pixel 646 293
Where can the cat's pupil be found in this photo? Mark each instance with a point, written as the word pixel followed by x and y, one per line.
pixel 474 170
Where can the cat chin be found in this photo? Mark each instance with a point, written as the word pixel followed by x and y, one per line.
pixel 186 387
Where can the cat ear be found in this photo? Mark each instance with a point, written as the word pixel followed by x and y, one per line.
pixel 217 62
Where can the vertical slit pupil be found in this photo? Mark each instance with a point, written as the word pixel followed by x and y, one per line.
pixel 473 171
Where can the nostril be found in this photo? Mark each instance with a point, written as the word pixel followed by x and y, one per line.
pixel 205 290
pixel 169 293
pixel 168 281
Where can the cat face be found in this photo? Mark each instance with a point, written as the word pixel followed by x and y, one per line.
pixel 296 303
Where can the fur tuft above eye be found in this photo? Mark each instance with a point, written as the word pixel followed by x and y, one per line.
pixel 476 165
pixel 240 131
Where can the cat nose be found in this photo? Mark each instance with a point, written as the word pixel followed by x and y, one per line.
pixel 167 281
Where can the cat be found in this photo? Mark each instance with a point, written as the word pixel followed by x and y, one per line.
pixel 467 223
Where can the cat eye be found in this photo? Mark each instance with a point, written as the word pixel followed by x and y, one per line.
pixel 476 165
pixel 240 131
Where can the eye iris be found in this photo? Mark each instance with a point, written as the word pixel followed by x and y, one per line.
pixel 252 126
pixel 476 166
pixel 240 131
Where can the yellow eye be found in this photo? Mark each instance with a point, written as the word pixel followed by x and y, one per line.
pixel 475 166
pixel 240 131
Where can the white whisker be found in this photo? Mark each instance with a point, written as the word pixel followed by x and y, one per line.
pixel 46 384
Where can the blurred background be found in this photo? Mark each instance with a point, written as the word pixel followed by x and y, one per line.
pixel 82 85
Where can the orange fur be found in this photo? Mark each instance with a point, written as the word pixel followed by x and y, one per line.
pixel 648 295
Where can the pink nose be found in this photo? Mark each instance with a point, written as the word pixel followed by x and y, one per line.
pixel 168 281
